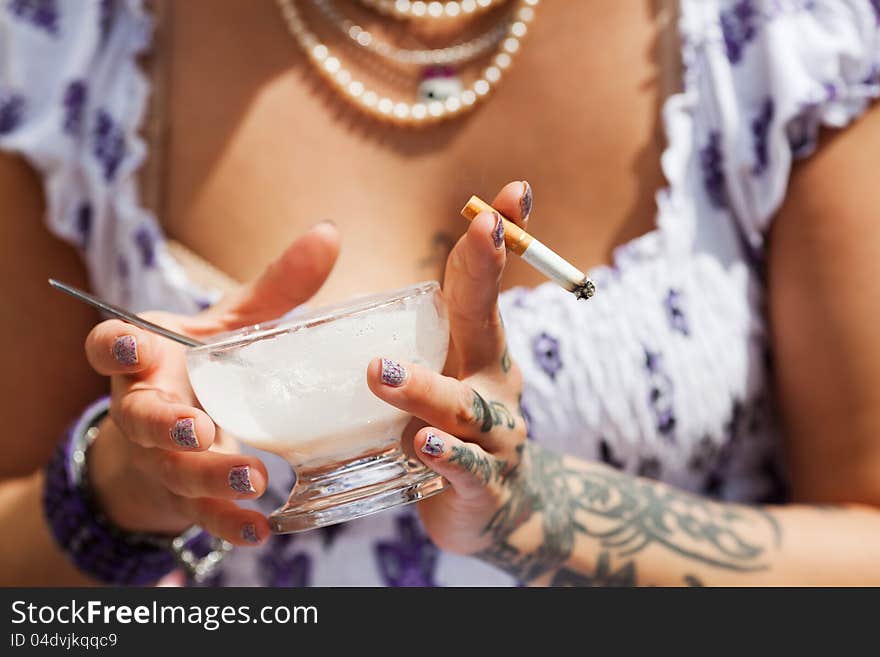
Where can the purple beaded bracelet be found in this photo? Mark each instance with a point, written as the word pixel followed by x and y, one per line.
pixel 92 542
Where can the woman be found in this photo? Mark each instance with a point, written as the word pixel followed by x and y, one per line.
pixel 707 325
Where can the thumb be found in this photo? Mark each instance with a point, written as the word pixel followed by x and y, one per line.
pixel 293 278
pixel 471 286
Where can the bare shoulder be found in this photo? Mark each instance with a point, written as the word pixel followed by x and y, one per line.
pixel 46 380
pixel 824 287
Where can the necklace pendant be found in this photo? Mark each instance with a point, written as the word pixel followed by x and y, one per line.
pixel 439 83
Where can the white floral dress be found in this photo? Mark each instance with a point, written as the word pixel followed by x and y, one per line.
pixel 664 374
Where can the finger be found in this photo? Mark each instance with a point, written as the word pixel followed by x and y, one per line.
pixel 466 466
pixel 152 418
pixel 441 401
pixel 471 286
pixel 290 280
pixel 514 201
pixel 226 520
pixel 115 347
pixel 212 474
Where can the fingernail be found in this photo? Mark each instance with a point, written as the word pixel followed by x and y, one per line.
pixel 125 350
pixel 325 222
pixel 433 445
pixel 249 532
pixel 525 201
pixel 393 374
pixel 240 479
pixel 498 231
pixel 184 433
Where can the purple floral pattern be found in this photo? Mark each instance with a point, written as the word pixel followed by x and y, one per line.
pixel 649 467
pixel 713 457
pixel 411 559
pixel 75 97
pixel 11 112
pixel 800 135
pixel 109 144
pixel 330 533
pixel 674 305
pixel 876 5
pixel 84 224
pixel 712 166
pixel 546 351
pixel 607 456
pixel 760 130
pixel 280 567
pixel 739 25
pixel 122 268
pixel 42 14
pixel 660 394
pixel 145 241
pixel 105 17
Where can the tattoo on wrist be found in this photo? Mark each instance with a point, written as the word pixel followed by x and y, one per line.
pixel 490 414
pixel 625 516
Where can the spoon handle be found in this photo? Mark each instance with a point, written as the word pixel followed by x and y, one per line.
pixel 123 314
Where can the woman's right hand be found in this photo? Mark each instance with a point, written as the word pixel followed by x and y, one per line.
pixel 159 463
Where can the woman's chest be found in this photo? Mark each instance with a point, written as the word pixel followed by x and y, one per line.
pixel 261 148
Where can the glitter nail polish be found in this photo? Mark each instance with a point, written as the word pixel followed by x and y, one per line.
pixel 525 201
pixel 498 232
pixel 249 532
pixel 393 374
pixel 125 350
pixel 433 445
pixel 184 433
pixel 240 479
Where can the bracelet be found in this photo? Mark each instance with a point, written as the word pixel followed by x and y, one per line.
pixel 93 543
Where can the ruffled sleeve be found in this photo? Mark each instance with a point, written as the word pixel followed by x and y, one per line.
pixel 49 51
pixel 778 71
pixel 72 100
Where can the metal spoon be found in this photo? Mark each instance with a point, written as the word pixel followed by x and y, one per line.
pixel 123 314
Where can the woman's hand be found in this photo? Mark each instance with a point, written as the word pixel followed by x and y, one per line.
pixel 159 463
pixel 477 432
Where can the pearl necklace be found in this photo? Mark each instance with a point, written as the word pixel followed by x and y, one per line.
pixel 457 54
pixel 401 112
pixel 419 9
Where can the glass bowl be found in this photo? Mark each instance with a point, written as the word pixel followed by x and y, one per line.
pixel 297 387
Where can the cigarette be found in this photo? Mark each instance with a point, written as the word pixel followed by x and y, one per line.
pixel 539 256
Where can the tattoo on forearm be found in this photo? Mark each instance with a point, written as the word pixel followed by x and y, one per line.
pixel 693 581
pixel 490 414
pixel 604 575
pixel 625 515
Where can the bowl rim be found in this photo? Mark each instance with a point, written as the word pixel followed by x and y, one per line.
pixel 313 317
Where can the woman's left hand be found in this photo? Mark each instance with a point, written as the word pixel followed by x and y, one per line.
pixel 477 431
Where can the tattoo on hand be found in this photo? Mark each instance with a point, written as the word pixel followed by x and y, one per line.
pixel 479 464
pixel 490 414
pixel 625 515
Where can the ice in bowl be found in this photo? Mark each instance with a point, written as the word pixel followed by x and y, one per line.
pixel 297 387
